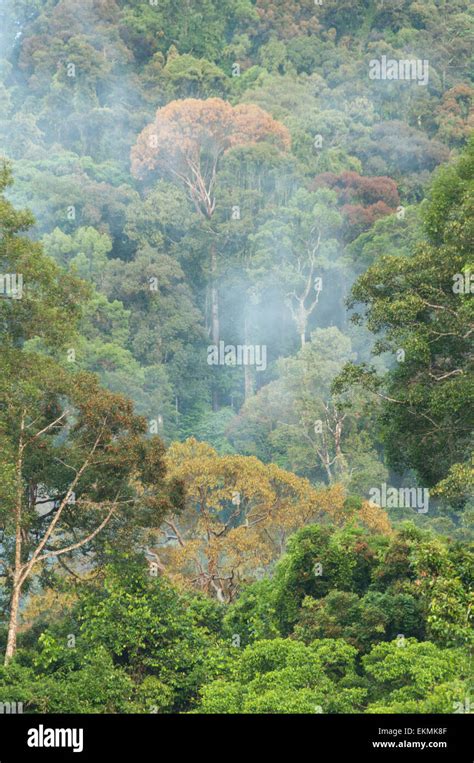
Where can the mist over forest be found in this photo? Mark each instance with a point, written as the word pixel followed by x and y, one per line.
pixel 236 391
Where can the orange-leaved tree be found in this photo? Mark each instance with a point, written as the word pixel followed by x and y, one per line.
pixel 186 142
pixel 237 516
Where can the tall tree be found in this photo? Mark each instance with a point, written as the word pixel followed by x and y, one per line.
pixel 186 143
pixel 76 462
pixel 297 422
pixel 73 455
pixel 237 517
pixel 297 244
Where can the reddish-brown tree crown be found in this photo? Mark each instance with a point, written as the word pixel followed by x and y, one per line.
pixel 188 138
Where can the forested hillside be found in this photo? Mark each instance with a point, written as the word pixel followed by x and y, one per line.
pixel 236 390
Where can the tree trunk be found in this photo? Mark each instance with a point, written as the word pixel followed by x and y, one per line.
pixel 215 328
pixel 248 382
pixel 248 373
pixel 302 322
pixel 16 591
pixel 13 623
pixel 328 471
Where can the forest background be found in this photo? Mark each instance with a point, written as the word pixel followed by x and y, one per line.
pixel 183 535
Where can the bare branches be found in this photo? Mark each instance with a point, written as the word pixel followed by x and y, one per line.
pixel 456 372
pixel 82 542
pixel 175 530
pixel 301 312
pixel 26 569
pixel 64 464
pixel 47 428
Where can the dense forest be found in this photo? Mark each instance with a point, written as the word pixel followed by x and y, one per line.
pixel 236 388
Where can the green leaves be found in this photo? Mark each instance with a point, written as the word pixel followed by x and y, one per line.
pixel 410 303
pixel 284 676
pixel 403 678
pixel 152 631
pixel 47 304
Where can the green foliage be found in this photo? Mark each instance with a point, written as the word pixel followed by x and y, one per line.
pixel 283 676
pixel 148 629
pixel 411 302
pixel 360 620
pixel 39 299
pixel 123 283
pixel 363 588
pixel 139 645
pixel 416 677
pixel 297 422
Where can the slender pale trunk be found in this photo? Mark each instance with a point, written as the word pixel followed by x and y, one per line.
pixel 248 382
pixel 328 472
pixel 326 457
pixel 13 623
pixel 16 581
pixel 302 322
pixel 248 373
pixel 215 328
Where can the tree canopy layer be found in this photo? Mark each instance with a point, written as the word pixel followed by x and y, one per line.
pixel 236 383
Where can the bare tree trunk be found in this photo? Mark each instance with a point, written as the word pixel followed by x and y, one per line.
pixel 248 373
pixel 299 311
pixel 328 469
pixel 215 327
pixel 303 323
pixel 300 316
pixel 21 572
pixel 13 622
pixel 248 382
pixel 16 582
